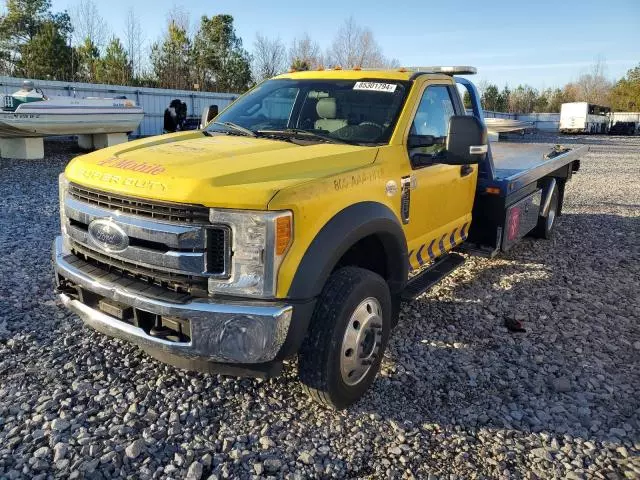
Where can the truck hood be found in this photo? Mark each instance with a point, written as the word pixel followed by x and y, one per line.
pixel 218 170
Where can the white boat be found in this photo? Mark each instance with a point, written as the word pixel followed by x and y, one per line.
pixel 30 113
pixel 500 125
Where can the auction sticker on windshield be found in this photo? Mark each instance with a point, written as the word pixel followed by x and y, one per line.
pixel 375 86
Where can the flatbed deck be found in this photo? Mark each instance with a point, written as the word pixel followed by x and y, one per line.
pixel 519 164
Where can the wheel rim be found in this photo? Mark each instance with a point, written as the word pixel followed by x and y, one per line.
pixel 551 217
pixel 362 341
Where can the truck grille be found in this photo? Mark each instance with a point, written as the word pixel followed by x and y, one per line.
pixel 174 248
pixel 184 284
pixel 171 212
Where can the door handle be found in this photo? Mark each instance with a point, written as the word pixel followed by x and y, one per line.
pixel 465 170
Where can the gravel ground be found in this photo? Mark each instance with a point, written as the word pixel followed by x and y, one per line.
pixel 459 396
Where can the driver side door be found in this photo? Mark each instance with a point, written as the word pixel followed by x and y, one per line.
pixel 441 196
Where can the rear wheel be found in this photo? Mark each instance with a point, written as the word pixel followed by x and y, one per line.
pixel 349 330
pixel 546 225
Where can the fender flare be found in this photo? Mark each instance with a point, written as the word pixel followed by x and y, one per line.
pixel 344 230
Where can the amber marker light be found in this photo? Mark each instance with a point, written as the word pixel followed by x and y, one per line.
pixel 283 234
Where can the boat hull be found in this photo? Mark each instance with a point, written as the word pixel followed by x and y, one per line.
pixel 503 125
pixel 46 124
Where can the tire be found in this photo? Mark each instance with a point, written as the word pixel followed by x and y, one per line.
pixel 546 225
pixel 353 313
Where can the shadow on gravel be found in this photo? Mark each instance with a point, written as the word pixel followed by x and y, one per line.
pixel 573 372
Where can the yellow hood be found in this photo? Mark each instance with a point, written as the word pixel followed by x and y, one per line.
pixel 220 170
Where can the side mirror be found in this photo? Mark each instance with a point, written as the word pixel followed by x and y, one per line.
pixel 208 114
pixel 466 142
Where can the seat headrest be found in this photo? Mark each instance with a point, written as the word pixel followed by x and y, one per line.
pixel 326 108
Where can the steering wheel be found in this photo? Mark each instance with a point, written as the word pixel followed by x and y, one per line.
pixel 371 124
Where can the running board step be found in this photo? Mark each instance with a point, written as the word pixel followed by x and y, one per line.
pixel 422 282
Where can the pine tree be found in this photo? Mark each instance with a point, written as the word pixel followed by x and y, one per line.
pixel 221 64
pixel 625 95
pixel 171 59
pixel 46 55
pixel 114 68
pixel 490 98
pixel 25 22
pixel 86 59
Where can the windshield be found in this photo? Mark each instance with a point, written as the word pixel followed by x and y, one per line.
pixel 361 112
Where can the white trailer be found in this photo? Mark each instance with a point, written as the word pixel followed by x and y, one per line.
pixel 583 117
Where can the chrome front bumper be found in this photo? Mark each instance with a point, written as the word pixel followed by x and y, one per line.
pixel 220 331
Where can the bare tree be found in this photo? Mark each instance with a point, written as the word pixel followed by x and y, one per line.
pixel 269 57
pixel 593 85
pixel 134 40
pixel 482 86
pixel 88 24
pixel 522 99
pixel 305 51
pixel 179 16
pixel 356 46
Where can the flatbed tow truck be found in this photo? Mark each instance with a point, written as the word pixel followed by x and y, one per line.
pixel 297 221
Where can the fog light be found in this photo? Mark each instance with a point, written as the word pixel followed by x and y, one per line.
pixel 245 339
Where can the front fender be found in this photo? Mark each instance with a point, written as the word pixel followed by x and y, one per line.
pixel 342 231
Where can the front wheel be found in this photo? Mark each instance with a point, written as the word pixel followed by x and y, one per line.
pixel 349 330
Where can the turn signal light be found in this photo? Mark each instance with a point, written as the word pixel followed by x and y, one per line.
pixel 283 234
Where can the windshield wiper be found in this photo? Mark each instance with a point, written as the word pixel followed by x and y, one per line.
pixel 237 128
pixel 305 133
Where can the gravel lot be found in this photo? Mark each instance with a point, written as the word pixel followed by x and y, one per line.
pixel 459 395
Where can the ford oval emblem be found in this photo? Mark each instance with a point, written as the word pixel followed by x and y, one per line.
pixel 107 235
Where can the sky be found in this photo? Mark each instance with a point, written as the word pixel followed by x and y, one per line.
pixel 541 43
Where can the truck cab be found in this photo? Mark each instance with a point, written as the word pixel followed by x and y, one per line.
pixel 295 223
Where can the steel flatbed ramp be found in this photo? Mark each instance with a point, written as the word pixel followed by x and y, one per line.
pixel 518 164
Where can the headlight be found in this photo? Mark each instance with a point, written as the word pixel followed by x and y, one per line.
pixel 63 186
pixel 259 243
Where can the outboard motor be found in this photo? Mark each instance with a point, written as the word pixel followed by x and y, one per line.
pixel 170 120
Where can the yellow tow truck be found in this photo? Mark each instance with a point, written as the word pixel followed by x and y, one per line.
pixel 296 222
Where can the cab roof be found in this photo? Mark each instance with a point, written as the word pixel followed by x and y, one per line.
pixel 334 74
pixel 404 73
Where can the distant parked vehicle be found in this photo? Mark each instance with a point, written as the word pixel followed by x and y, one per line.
pixel 583 117
pixel 623 128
